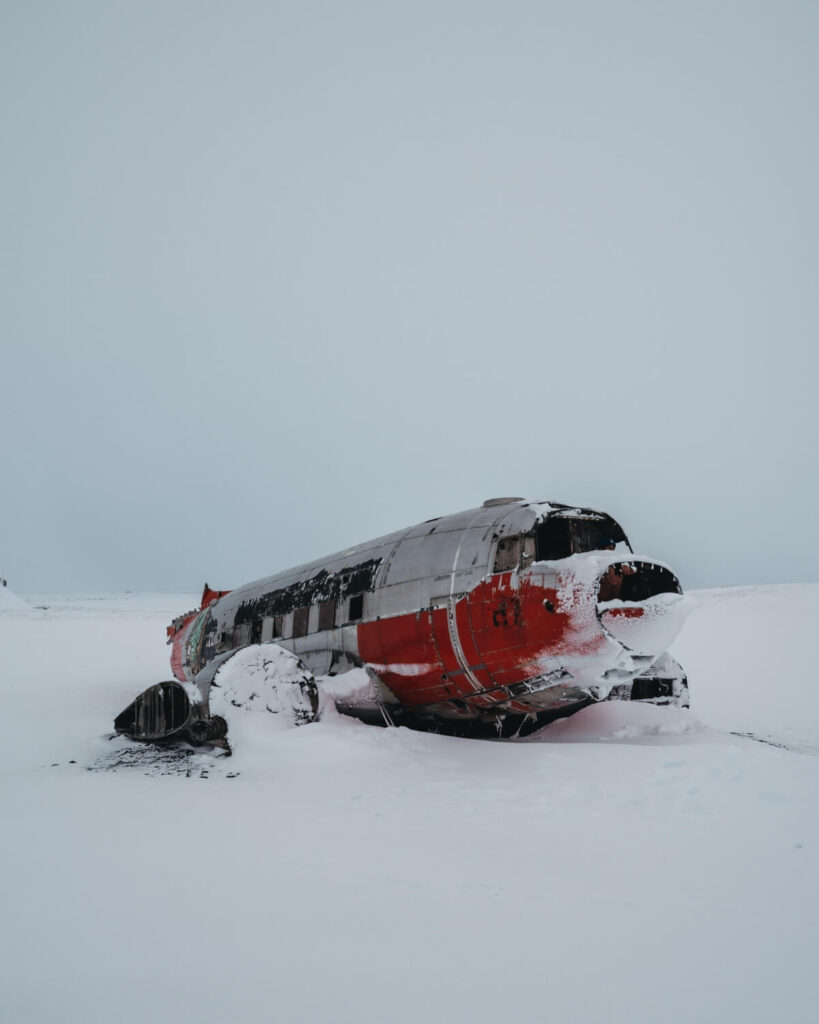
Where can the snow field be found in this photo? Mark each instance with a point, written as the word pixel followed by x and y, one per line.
pixel 632 863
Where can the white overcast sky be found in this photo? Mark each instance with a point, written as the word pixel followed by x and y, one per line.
pixel 279 277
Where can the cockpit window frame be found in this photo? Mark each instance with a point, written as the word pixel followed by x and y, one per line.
pixel 560 535
pixel 507 554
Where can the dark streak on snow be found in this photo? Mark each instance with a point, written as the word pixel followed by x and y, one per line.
pixel 168 759
pixel 790 747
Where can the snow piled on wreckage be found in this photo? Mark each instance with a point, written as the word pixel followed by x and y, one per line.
pixel 670 856
pixel 646 627
pixel 265 678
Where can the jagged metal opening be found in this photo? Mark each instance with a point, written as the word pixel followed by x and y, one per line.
pixel 652 688
pixel 161 710
pixel 637 581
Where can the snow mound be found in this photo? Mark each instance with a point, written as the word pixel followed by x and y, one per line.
pixel 620 721
pixel 265 678
pixel 10 602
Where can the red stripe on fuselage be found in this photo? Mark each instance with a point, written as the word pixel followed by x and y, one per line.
pixel 506 634
pixel 412 654
pixel 178 655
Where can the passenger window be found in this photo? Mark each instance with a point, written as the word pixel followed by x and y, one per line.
pixel 256 632
pixel 278 625
pixel 528 553
pixel 327 615
pixel 241 635
pixel 301 617
pixel 356 607
pixel 507 554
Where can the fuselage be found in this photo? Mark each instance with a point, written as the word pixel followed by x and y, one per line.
pixel 514 608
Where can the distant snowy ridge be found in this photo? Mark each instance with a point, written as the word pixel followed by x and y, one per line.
pixel 10 602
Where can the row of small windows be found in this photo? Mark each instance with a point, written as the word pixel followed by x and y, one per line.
pixel 284 627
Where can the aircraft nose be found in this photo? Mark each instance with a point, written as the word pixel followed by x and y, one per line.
pixel 641 606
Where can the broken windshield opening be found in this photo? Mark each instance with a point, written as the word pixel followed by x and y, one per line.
pixel 562 536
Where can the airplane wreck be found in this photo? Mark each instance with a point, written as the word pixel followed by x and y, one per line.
pixel 491 622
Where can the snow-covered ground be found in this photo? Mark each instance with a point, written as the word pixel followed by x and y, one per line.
pixel 631 864
pixel 9 601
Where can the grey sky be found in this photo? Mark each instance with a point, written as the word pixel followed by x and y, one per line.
pixel 276 278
